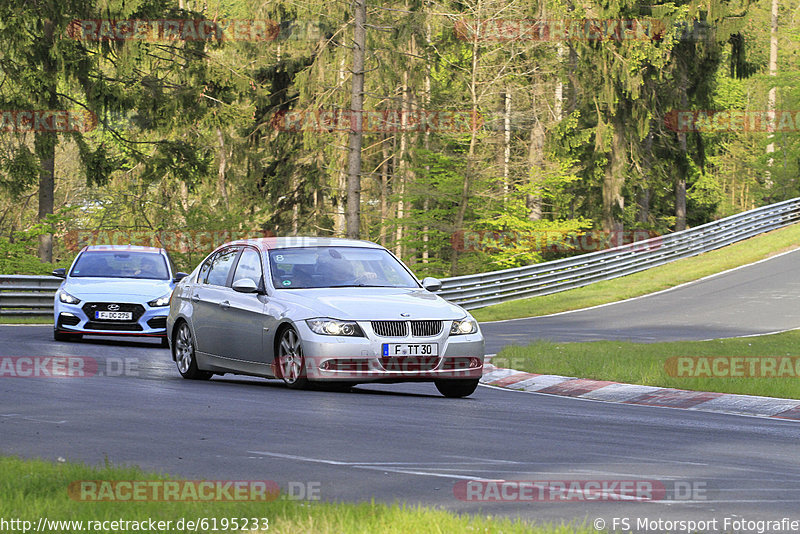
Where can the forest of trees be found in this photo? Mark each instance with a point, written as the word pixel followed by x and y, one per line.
pixel 491 131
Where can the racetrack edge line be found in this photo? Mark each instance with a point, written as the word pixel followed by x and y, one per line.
pixel 679 286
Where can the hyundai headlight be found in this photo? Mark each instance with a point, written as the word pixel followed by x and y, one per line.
pixel 333 327
pixel 464 326
pixel 66 298
pixel 163 300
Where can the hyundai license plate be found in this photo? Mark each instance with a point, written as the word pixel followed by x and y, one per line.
pixel 113 316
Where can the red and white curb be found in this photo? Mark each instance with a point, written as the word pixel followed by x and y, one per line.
pixel 603 390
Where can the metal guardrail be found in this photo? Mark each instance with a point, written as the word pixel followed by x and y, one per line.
pixel 27 295
pixel 479 290
pixel 33 295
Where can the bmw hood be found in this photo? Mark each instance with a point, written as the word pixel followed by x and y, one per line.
pixel 370 304
pixel 116 289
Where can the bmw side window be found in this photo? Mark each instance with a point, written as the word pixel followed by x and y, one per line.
pixel 203 274
pixel 249 266
pixel 221 267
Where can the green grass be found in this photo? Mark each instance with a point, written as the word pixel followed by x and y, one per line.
pixel 32 489
pixel 645 363
pixel 649 281
pixel 12 319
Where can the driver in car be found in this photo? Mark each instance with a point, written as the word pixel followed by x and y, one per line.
pixel 340 272
pixel 148 269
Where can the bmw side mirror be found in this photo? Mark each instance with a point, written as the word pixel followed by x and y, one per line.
pixel 179 276
pixel 60 272
pixel 431 284
pixel 245 285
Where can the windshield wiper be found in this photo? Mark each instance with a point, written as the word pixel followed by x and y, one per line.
pixel 359 285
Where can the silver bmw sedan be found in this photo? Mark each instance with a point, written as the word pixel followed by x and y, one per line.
pixel 320 311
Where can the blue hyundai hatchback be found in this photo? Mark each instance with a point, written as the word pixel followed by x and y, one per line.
pixel 115 291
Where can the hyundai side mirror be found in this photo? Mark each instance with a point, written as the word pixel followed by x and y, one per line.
pixel 60 272
pixel 432 284
pixel 179 276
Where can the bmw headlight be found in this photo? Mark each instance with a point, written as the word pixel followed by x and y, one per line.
pixel 66 298
pixel 333 327
pixel 163 300
pixel 464 326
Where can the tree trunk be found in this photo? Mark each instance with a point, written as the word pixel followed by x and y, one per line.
pixel 184 194
pixel 223 166
pixel 506 144
pixel 295 185
pixel 559 89
pixel 614 179
pixel 683 168
pixel 643 200
pixel 356 132
pixel 402 168
pixel 339 188
pixel 644 206
pixel 504 140
pixel 461 213
pixel 772 98
pixel 427 135
pixel 384 200
pixel 535 165
pixel 680 204
pixel 45 145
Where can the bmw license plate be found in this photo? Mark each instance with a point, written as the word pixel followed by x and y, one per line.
pixel 410 349
pixel 113 316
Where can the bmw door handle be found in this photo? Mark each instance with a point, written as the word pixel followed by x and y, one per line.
pixel 224 304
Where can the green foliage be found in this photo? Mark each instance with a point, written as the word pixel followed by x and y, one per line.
pixel 20 257
pixel 186 137
pixel 20 170
pixel 703 198
pixel 19 252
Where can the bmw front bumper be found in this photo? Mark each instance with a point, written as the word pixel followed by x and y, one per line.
pixel 362 359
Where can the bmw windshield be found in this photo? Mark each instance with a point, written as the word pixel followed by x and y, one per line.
pixel 321 267
pixel 124 264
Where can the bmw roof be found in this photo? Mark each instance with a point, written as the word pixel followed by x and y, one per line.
pixel 268 243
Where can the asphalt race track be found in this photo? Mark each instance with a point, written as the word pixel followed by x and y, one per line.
pixel 405 442
pixel 756 299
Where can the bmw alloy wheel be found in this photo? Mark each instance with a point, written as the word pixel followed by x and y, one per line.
pixel 291 360
pixel 183 352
